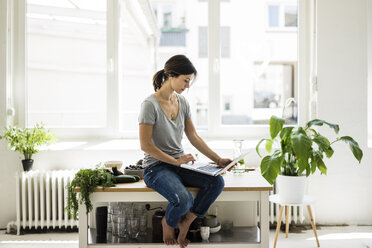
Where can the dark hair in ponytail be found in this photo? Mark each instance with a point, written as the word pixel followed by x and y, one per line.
pixel 175 66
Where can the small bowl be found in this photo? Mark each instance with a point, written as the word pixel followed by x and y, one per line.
pixel 134 172
pixel 110 164
pixel 210 220
pixel 215 229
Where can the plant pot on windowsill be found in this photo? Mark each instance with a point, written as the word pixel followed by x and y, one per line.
pixel 27 164
pixel 27 141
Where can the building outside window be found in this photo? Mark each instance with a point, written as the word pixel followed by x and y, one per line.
pixel 282 15
pixel 225 42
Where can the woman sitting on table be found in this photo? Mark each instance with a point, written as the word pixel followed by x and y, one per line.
pixel 163 118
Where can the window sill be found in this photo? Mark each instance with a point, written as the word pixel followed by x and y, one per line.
pixel 134 144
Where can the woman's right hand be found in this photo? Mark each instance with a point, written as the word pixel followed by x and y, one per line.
pixel 185 159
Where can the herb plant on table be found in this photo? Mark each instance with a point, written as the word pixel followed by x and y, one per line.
pixel 88 180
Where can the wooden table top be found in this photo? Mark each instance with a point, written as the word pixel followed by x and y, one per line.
pixel 251 181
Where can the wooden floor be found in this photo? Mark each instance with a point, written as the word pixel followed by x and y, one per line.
pixel 329 237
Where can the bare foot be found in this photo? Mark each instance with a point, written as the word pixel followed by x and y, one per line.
pixel 169 237
pixel 184 225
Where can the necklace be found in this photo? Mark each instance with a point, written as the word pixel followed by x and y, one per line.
pixel 172 115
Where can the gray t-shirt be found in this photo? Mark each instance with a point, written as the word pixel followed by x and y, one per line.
pixel 167 133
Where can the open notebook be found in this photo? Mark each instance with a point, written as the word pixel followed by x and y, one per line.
pixel 210 168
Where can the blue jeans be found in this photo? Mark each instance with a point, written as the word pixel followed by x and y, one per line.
pixel 171 181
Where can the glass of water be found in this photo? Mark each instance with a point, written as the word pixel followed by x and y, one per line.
pixel 238 147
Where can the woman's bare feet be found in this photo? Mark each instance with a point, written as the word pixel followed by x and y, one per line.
pixel 169 237
pixel 184 225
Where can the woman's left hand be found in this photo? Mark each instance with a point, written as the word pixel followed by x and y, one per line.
pixel 223 162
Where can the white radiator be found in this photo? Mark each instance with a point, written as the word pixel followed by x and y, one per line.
pixel 41 198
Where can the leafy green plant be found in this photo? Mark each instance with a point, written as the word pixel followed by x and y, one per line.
pixel 88 180
pixel 27 140
pixel 300 149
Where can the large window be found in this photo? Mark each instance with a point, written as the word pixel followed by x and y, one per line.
pixel 66 63
pixel 90 62
pixel 261 72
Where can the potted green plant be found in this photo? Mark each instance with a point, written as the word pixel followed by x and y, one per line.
pixel 27 140
pixel 297 152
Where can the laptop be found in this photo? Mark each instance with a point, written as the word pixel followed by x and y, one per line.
pixel 210 168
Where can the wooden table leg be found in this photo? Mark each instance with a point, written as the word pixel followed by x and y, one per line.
pixel 313 225
pixel 278 225
pixel 286 221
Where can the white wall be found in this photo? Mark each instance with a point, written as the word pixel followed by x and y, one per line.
pixel 343 195
pixel 3 58
pixel 369 27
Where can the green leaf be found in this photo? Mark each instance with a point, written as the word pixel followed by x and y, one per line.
pixel 302 166
pixel 286 132
pixel 301 146
pixel 258 146
pixel 276 125
pixel 324 145
pixel 321 166
pixel 313 164
pixel 354 147
pixel 318 161
pixel 315 133
pixel 329 152
pixel 322 142
pixel 270 167
pixel 317 122
pixel 300 130
pixel 269 145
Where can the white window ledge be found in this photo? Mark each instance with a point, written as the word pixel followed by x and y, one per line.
pixel 134 144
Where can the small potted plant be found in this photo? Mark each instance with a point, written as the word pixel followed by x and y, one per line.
pixel 27 140
pixel 298 153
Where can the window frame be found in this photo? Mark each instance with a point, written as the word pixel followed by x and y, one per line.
pixel 215 127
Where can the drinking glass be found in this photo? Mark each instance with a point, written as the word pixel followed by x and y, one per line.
pixel 109 217
pixel 115 224
pixel 115 215
pixel 125 208
pixel 133 227
pixel 138 210
pixel 143 225
pixel 238 146
pixel 122 227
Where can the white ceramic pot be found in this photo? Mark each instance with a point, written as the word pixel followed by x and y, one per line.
pixel 291 188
